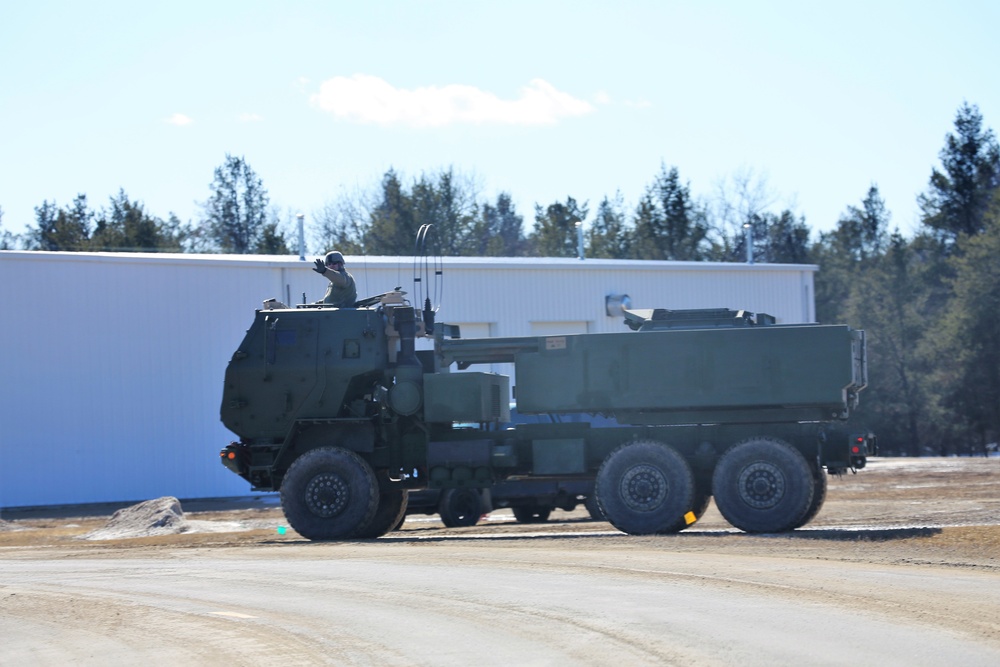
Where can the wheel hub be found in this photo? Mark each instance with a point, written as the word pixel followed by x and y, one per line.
pixel 327 495
pixel 466 507
pixel 643 488
pixel 761 485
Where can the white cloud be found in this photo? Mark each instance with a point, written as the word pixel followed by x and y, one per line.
pixel 369 99
pixel 180 120
pixel 602 97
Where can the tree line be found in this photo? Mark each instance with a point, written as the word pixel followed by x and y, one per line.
pixel 668 223
pixel 930 304
pixel 236 219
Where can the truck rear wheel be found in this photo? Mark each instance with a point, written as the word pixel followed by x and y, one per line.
pixel 763 485
pixel 329 493
pixel 460 507
pixel 389 515
pixel 645 487
pixel 819 496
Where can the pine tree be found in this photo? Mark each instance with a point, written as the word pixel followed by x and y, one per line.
pixel 667 224
pixel 498 230
pixel 608 236
pixel 393 225
pixel 125 226
pixel 970 336
pixel 61 229
pixel 889 301
pixel 958 197
pixel 555 233
pixel 449 206
pixel 236 213
pixel 860 238
pixel 787 239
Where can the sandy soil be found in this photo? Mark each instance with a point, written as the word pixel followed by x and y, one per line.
pixel 901 567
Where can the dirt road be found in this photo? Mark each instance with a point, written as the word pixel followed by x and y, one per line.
pixel 902 567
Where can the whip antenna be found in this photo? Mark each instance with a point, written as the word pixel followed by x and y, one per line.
pixel 422 267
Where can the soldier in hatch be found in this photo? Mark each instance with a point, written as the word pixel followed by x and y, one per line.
pixel 342 292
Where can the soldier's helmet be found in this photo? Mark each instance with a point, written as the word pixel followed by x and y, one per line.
pixel 332 257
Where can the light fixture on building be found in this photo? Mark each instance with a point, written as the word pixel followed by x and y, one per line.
pixel 300 218
pixel 615 305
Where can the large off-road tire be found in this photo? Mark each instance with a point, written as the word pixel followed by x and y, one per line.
pixel 329 493
pixel 594 508
pixel 460 507
pixel 645 487
pixel 819 496
pixel 531 513
pixel 763 485
pixel 389 515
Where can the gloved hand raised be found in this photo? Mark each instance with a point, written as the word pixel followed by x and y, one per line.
pixel 320 267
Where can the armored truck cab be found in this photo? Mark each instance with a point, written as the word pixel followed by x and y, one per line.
pixel 337 410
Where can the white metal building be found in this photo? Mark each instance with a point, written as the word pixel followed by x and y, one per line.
pixel 113 363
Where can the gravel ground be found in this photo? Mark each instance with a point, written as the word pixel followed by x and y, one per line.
pixel 919 511
pixel 900 568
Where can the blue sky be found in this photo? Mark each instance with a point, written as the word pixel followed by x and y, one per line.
pixel 540 99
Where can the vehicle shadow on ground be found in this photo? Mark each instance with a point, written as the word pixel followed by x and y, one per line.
pixel 838 534
pixel 860 535
pixel 606 532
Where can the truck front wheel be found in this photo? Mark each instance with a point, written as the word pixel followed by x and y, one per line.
pixel 389 515
pixel 645 488
pixel 763 485
pixel 594 508
pixel 329 493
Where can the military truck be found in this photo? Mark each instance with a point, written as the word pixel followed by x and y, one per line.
pixel 338 410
